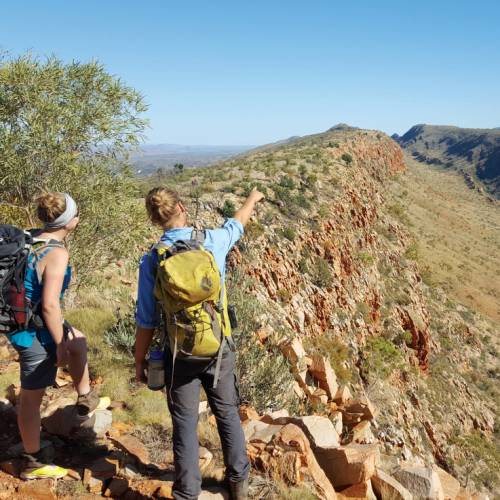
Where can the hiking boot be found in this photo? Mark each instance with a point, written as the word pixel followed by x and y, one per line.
pixel 87 403
pixel 239 490
pixel 34 468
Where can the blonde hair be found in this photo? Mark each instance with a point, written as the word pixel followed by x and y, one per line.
pixel 161 204
pixel 49 206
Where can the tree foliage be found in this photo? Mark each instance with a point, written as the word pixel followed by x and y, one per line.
pixel 70 127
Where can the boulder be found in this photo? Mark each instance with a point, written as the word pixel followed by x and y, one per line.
pixel 276 417
pixel 362 433
pixel 318 398
pixel 319 430
pixel 293 350
pixel 420 481
pixel 451 486
pixel 41 489
pixel 348 465
pixel 12 467
pixel 131 445
pixel 102 423
pixel 360 491
pixel 288 457
pixel 205 458
pixel 248 413
pixel 387 488
pixel 116 487
pixel 214 494
pixel 255 430
pixel 146 488
pixel 103 468
pixel 322 371
pixel 343 395
pixel 165 490
pixel 362 406
pixel 336 418
pixel 60 418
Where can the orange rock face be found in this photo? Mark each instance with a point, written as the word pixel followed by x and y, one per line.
pixel 288 456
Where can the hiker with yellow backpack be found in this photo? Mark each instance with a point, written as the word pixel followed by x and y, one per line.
pixel 34 274
pixel 184 274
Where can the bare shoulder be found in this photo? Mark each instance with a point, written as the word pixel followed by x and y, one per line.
pixel 57 257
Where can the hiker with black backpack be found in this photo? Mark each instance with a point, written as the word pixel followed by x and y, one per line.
pixel 34 274
pixel 181 286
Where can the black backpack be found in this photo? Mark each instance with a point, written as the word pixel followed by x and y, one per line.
pixel 15 310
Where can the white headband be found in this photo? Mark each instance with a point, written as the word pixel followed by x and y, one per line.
pixel 67 216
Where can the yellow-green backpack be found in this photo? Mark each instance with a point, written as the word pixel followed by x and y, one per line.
pixel 192 297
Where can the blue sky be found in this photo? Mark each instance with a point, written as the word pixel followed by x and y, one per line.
pixel 234 72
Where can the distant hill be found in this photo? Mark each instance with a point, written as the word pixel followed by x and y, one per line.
pixel 473 152
pixel 154 156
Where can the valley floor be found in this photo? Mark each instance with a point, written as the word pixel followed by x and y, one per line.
pixel 457 231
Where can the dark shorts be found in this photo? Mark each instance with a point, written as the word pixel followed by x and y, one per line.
pixel 38 365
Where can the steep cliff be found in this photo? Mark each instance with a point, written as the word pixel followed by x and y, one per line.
pixel 332 262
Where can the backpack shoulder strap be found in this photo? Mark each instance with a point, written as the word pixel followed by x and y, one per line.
pixel 198 235
pixel 40 249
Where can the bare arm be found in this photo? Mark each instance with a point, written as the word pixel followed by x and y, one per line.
pixel 244 213
pixel 53 273
pixel 143 337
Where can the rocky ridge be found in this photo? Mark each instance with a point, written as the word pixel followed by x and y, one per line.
pixel 340 297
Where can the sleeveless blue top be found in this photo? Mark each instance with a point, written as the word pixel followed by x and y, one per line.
pixel 24 338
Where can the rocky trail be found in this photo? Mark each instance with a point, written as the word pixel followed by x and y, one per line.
pixel 335 455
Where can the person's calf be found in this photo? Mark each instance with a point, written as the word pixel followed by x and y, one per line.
pixel 239 489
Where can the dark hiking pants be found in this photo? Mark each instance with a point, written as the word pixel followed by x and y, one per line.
pixel 183 396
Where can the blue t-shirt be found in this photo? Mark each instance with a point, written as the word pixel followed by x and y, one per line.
pixel 217 241
pixel 24 338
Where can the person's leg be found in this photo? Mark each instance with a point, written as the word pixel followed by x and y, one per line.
pixel 28 418
pixel 38 371
pixel 224 402
pixel 76 345
pixel 183 398
pixel 78 367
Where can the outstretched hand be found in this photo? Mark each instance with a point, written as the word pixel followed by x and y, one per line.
pixel 256 195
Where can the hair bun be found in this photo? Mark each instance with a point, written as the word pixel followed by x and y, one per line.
pixel 161 204
pixel 50 205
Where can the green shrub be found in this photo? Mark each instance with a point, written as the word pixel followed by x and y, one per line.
pixel 324 211
pixel 381 358
pixel 265 380
pixel 365 258
pixel 411 251
pixel 311 181
pixel 253 230
pixel 228 209
pixel 363 310
pixel 48 143
pixel 480 456
pixel 121 336
pixel 287 182
pixel 347 158
pixel 321 273
pixel 289 233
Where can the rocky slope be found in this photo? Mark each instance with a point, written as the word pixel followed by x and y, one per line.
pixel 338 265
pixel 327 273
pixel 475 153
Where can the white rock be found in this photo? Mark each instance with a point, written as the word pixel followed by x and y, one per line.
pixel 421 482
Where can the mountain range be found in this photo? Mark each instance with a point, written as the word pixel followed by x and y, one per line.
pixel 475 153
